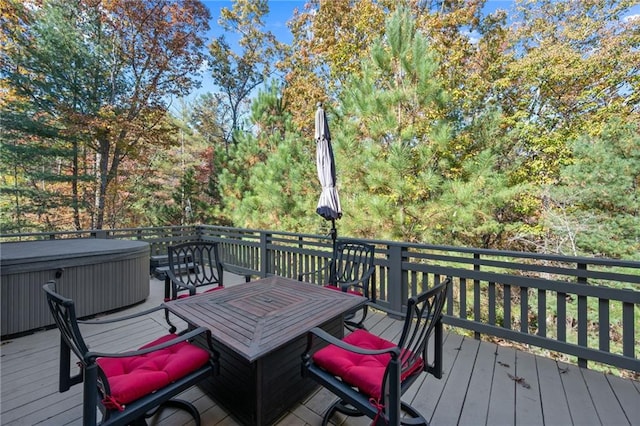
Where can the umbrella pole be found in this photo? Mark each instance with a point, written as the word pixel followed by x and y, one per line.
pixel 334 237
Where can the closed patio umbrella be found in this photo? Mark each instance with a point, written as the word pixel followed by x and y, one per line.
pixel 329 203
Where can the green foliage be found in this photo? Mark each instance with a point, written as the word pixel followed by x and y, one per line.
pixel 267 181
pixel 448 125
pixel 595 208
pixel 572 67
pixel 404 174
pixel 239 71
pixel 101 73
pixel 32 174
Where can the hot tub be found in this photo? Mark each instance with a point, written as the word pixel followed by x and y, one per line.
pixel 100 275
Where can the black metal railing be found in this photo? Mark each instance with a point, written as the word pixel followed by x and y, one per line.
pixel 587 308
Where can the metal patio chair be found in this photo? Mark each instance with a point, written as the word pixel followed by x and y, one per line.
pixel 351 270
pixel 192 267
pixel 370 374
pixel 128 387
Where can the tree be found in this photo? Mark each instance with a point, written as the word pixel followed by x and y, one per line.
pixel 104 71
pixel 30 179
pixel 391 140
pixel 471 47
pixel 239 71
pixel 330 40
pixel 35 64
pixel 204 118
pixel 595 206
pixel 573 65
pixel 178 184
pixel 270 178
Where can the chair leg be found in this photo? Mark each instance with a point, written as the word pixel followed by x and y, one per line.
pixel 412 417
pixel 415 418
pixel 352 325
pixel 341 407
pixel 175 403
pixel 172 328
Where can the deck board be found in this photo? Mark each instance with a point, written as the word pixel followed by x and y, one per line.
pixel 528 391
pixel 628 395
pixel 476 388
pixel 581 405
pixel 603 398
pixel 502 388
pixel 458 377
pixel 552 396
pixel 476 403
pixel 429 393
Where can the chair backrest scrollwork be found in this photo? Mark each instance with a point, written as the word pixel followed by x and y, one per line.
pixel 424 312
pixel 354 263
pixel 195 264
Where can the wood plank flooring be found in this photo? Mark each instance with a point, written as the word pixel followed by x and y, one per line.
pixel 483 384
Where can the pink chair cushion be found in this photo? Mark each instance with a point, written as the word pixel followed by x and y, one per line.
pixel 363 371
pixel 214 289
pixel 133 377
pixel 333 287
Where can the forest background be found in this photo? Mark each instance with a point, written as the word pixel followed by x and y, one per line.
pixel 511 130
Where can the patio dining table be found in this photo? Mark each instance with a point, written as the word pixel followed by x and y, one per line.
pixel 260 329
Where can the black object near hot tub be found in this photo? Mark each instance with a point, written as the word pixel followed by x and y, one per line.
pixel 100 275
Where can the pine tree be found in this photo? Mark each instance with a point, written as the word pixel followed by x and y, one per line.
pixel 390 137
pixel 270 181
pixel 595 208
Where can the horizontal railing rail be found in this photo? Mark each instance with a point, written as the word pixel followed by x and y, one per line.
pixel 587 308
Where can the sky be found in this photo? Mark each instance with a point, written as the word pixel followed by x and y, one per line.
pixel 281 11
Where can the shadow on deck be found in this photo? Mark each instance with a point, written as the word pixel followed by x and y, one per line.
pixel 483 384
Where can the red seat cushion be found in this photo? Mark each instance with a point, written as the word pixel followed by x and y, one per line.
pixel 183 295
pixel 133 377
pixel 363 371
pixel 214 289
pixel 333 287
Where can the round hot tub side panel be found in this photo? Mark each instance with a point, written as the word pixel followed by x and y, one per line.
pixel 99 275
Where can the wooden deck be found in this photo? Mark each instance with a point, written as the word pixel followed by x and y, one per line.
pixel 483 384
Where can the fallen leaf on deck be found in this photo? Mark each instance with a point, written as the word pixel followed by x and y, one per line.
pixel 519 380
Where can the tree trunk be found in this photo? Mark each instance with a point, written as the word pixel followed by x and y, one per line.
pixel 74 188
pixel 102 179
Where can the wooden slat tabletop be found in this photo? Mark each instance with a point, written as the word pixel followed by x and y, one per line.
pixel 260 316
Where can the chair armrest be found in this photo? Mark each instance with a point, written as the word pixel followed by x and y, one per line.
pixel 180 338
pixel 122 318
pixel 313 273
pixel 359 283
pixel 239 270
pixel 179 283
pixel 329 338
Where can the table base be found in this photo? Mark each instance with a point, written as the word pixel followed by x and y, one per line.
pixel 258 393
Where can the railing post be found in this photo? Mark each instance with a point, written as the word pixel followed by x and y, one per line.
pixel 264 255
pixel 198 232
pixel 477 316
pixel 99 233
pixel 582 316
pixel 397 291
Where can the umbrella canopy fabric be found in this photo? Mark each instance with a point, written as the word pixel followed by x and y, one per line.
pixel 329 203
